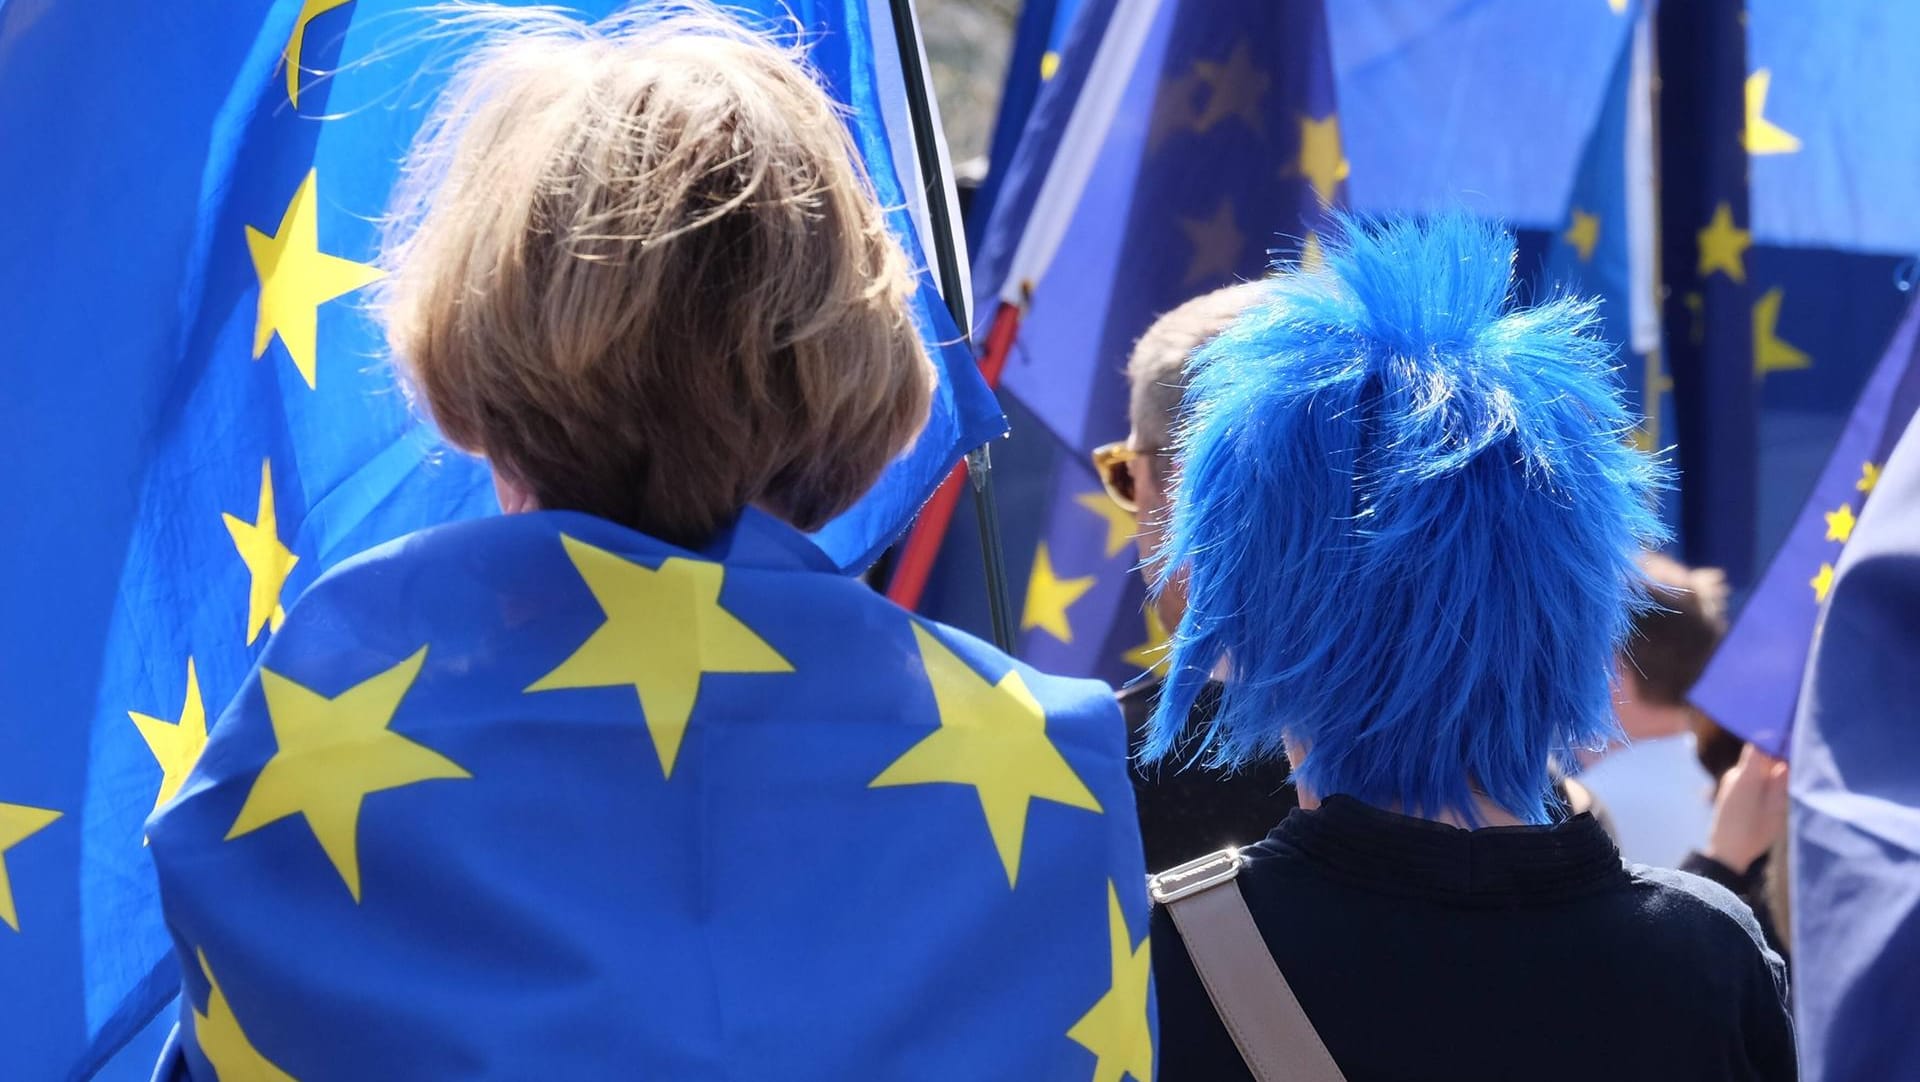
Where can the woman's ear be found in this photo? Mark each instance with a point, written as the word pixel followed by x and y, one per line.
pixel 514 497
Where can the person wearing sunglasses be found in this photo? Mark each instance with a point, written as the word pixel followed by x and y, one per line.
pixel 1185 808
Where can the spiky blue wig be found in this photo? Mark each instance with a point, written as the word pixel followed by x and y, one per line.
pixel 1408 514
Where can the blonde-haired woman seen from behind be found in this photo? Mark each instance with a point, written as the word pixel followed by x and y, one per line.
pixel 629 782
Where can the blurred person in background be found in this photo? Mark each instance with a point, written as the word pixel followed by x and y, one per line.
pixel 1409 522
pixel 1658 794
pixel 1186 808
pixel 1744 849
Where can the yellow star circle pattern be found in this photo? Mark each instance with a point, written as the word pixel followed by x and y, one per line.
pixel 268 561
pixel 1116 1030
pixel 309 11
pixel 1217 242
pixel 1322 161
pixel 18 822
pixel 1121 526
pixel 1869 477
pixel 176 745
pixel 1762 136
pixel 296 278
pixel 334 752
pixel 665 632
pixel 1723 245
pixel 222 1041
pixel 1234 89
pixel 1822 582
pixel 1151 654
pixel 1771 353
pixel 1840 523
pixel 1049 596
pixel 992 737
pixel 1583 234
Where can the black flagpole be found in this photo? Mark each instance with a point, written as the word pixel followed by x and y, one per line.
pixel 947 259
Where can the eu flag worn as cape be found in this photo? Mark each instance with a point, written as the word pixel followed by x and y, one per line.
pixel 539 797
pixel 197 418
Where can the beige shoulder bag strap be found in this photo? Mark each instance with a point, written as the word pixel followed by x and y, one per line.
pixel 1248 992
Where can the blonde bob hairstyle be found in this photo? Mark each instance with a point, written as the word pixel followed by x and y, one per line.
pixel 638 267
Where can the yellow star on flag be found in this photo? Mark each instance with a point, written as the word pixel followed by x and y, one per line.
pixel 992 737
pixel 1869 477
pixel 1583 234
pixel 1619 6
pixel 1151 654
pixel 1839 523
pixel 1174 110
pixel 1723 245
pixel 1216 241
pixel 1763 136
pixel 1049 63
pixel 1770 352
pixel 1049 596
pixel 1312 255
pixel 176 745
pixel 1321 160
pixel 18 822
pixel 308 12
pixel 1121 526
pixel 1233 89
pixel 332 753
pixel 1822 582
pixel 268 561
pixel 665 631
pixel 1116 1030
pixel 1696 303
pixel 222 1041
pixel 1655 384
pixel 296 278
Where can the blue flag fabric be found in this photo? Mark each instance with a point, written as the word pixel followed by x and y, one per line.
pixel 1710 295
pixel 1039 39
pixel 1834 165
pixel 198 422
pixel 539 797
pixel 1222 153
pixel 1753 682
pixel 1435 123
pixel 1605 250
pixel 1856 801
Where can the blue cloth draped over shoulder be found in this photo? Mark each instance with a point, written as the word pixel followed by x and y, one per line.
pixel 539 797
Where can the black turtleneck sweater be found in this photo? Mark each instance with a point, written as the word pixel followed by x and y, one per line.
pixel 1425 952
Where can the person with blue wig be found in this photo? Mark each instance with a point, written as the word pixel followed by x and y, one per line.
pixel 1406 528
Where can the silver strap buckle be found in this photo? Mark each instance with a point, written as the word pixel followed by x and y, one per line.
pixel 1195 876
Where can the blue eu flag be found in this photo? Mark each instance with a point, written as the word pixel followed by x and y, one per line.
pixel 1219 150
pixel 1753 682
pixel 540 796
pixel 198 421
pixel 1856 809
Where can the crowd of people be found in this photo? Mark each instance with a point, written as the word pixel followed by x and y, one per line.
pixel 1423 740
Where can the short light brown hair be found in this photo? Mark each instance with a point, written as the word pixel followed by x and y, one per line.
pixel 1157 369
pixel 638 266
pixel 1669 645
